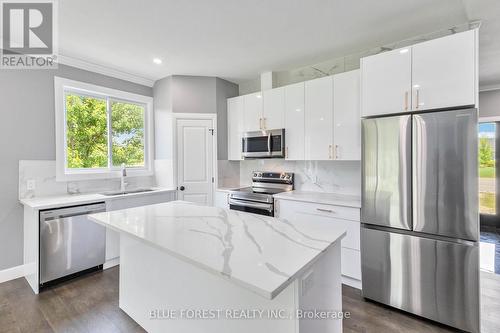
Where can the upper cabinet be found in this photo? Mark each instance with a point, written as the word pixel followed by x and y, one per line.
pixel 439 73
pixel 319 119
pixel 444 72
pixel 235 120
pixel 294 121
pixel 274 109
pixel 346 116
pixel 264 110
pixel 386 83
pixel 253 112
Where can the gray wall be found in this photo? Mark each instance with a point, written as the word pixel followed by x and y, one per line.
pixel 26 133
pixel 224 90
pixel 489 103
pixel 193 94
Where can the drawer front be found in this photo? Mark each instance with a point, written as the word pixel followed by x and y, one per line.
pixel 348 213
pixel 288 210
pixel 351 263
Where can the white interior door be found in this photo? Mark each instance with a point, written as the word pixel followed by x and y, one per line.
pixel 195 172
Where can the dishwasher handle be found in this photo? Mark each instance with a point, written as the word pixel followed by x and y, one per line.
pixel 65 212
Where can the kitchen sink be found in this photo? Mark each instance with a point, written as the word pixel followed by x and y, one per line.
pixel 137 190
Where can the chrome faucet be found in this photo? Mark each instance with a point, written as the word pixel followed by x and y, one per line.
pixel 123 174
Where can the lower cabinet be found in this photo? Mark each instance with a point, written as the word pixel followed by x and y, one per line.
pixel 346 217
pixel 112 237
pixel 221 199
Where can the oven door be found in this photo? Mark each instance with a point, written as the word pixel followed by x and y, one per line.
pixel 264 144
pixel 252 207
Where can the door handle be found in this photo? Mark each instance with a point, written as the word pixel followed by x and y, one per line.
pixel 182 188
pixel 325 210
pixel 418 99
pixel 269 143
pixel 406 100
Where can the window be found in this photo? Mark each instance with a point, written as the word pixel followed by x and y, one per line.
pixel 100 129
pixel 487 168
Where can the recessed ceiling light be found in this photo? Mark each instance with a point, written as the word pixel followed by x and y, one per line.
pixel 403 51
pixel 157 61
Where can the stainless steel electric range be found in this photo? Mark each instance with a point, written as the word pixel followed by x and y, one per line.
pixel 258 198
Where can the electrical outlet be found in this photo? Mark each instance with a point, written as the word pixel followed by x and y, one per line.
pixel 30 184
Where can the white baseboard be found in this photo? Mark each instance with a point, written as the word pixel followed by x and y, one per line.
pixel 351 282
pixel 12 273
pixel 18 271
pixel 111 263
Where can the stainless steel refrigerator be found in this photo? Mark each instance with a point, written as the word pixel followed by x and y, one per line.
pixel 420 220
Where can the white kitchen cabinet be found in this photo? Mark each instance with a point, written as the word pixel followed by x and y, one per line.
pixel 235 114
pixel 273 116
pixel 444 72
pixel 253 112
pixel 222 199
pixel 319 119
pixel 294 121
pixel 346 116
pixel 386 83
pixel 347 218
pixel 440 73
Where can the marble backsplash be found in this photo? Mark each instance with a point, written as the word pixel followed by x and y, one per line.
pixel 319 176
pixel 43 173
pixel 228 173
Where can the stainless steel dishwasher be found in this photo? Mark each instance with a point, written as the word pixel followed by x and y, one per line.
pixel 70 243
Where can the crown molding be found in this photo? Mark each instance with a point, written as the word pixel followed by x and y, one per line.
pixel 489 87
pixel 92 67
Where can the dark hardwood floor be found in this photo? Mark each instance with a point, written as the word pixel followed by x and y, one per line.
pixel 90 304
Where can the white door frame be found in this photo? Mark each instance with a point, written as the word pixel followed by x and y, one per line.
pixel 195 116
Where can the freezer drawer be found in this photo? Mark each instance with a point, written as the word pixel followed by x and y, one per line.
pixel 435 279
pixel 386 172
pixel 445 179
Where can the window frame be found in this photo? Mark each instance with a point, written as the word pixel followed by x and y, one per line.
pixel 61 87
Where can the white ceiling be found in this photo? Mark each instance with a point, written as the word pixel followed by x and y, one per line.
pixel 237 40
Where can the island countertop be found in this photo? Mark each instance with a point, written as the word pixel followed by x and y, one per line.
pixel 263 254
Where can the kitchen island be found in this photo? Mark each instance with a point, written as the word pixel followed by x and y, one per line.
pixel 191 268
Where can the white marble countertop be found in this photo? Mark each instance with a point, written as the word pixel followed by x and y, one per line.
pixel 336 199
pixel 263 254
pixel 77 199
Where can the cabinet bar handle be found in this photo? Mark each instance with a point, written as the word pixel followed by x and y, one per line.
pixel 406 101
pixel 336 152
pixel 418 99
pixel 330 151
pixel 286 152
pixel 265 121
pixel 325 210
pixel 260 123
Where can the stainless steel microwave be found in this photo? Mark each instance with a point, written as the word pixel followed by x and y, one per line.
pixel 263 144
